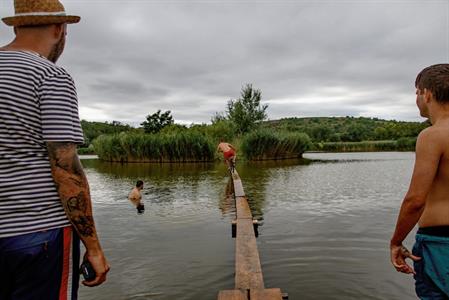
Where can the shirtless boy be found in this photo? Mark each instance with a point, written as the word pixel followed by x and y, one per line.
pixel 135 196
pixel 427 200
pixel 228 153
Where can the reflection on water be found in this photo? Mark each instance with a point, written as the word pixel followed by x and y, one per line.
pixel 227 203
pixel 327 223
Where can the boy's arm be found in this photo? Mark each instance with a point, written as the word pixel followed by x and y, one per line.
pixel 428 153
pixel 74 193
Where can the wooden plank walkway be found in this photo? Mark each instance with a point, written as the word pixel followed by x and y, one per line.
pixel 249 284
pixel 232 295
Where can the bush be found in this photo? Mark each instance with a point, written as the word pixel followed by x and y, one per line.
pixel 184 146
pixel 406 144
pixel 86 150
pixel 266 144
pixel 221 130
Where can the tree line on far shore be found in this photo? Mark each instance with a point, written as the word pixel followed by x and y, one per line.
pixel 244 123
pixel 349 129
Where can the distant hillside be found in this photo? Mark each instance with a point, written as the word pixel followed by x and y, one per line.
pixel 319 129
pixel 348 129
pixel 92 130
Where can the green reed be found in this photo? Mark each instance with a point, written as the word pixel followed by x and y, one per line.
pixel 182 146
pixel 268 144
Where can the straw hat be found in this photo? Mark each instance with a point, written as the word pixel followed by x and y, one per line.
pixel 39 12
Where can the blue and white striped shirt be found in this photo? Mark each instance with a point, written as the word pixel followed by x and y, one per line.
pixel 38 104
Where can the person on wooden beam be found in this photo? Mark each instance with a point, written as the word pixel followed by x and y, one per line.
pixel 229 154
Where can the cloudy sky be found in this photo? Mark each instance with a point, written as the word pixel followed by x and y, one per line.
pixel 130 58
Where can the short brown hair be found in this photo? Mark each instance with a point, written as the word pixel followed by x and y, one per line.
pixel 436 79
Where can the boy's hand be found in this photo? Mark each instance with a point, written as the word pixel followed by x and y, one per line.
pixel 398 255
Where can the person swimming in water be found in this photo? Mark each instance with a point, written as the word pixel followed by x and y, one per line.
pixel 135 196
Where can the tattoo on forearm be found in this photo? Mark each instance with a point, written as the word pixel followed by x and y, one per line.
pixel 72 186
pixel 77 207
pixel 85 225
pixel 78 203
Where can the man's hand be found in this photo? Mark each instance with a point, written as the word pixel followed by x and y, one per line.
pixel 101 267
pixel 398 255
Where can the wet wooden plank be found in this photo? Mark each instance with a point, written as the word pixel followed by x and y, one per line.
pixel 246 230
pixel 268 294
pixel 238 188
pixel 242 208
pixel 248 271
pixel 235 175
pixel 232 295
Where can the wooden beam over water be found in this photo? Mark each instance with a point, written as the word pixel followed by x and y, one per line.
pixel 232 295
pixel 249 284
pixel 267 294
pixel 248 272
pixel 242 209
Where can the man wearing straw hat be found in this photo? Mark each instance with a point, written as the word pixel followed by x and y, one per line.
pixel 45 204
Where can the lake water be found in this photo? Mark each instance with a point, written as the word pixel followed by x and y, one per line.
pixel 325 234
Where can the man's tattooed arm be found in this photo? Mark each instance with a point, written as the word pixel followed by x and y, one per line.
pixel 73 190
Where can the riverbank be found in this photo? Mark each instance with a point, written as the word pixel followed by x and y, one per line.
pixel 402 144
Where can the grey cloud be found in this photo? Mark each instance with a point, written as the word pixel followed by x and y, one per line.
pixel 193 56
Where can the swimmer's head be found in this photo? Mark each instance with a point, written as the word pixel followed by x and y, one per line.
pixel 139 184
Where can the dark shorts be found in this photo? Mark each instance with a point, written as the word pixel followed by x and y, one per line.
pixel 41 265
pixel 432 271
pixel 140 208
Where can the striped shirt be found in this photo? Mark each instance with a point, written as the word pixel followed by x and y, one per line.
pixel 38 104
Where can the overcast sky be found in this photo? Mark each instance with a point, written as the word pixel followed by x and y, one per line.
pixel 309 58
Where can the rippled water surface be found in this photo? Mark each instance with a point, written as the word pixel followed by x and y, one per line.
pixel 326 227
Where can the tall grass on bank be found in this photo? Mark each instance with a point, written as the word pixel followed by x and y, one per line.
pixel 183 146
pixel 402 144
pixel 267 144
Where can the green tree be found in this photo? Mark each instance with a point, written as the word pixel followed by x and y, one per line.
pixel 380 133
pixel 92 130
pixel 246 111
pixel 320 133
pixel 218 117
pixel 155 122
pixel 173 128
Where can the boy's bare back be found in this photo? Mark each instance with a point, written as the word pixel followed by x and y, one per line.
pixel 432 154
pixel 426 202
pixel 225 147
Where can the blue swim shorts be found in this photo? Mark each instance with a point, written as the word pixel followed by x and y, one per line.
pixel 432 271
pixel 40 265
